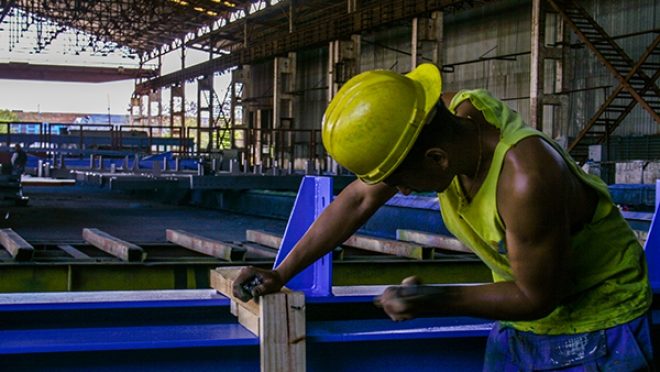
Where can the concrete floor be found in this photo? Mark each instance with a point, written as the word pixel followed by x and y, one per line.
pixel 60 214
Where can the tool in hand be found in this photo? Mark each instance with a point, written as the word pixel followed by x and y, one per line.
pixel 248 286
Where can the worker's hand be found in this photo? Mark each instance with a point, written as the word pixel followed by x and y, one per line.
pixel 253 282
pixel 401 302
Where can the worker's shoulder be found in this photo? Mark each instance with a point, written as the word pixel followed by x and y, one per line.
pixel 533 166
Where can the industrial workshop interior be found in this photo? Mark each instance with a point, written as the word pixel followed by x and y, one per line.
pixel 159 161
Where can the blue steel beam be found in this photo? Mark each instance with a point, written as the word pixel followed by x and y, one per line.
pixel 80 330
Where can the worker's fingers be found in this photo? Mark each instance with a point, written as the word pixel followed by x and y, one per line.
pixel 239 290
pixel 412 280
pixel 253 283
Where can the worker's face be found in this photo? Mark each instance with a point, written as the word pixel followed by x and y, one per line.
pixel 424 175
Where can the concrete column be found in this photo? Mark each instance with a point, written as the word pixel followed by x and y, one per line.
pixel 427 39
pixel 343 63
pixel 284 84
pixel 543 89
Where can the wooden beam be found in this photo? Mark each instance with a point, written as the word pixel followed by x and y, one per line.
pixel 222 280
pixel 432 240
pixel 264 238
pixel 16 245
pixel 279 322
pixel 5 256
pixel 273 340
pixel 73 252
pixel 388 246
pixel 225 251
pixel 260 250
pixel 247 319
pixel 297 331
pixel 123 250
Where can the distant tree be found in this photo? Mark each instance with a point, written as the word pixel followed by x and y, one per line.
pixel 6 115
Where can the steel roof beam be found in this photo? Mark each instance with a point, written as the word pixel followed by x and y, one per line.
pixel 335 26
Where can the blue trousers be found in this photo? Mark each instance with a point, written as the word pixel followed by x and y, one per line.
pixel 625 348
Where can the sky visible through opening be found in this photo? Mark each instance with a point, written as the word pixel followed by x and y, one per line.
pixel 68 97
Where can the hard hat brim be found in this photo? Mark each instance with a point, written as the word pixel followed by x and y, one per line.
pixel 429 77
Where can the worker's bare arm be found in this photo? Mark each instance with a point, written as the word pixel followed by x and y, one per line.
pixel 350 210
pixel 534 205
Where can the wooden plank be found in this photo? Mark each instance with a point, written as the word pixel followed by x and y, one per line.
pixel 222 280
pixel 432 240
pixel 297 334
pixel 214 248
pixel 259 251
pixel 273 340
pixel 264 238
pixel 124 250
pixel 278 319
pixel 388 246
pixel 5 256
pixel 73 252
pixel 16 245
pixel 247 318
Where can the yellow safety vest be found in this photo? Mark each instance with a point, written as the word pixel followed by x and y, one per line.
pixel 608 268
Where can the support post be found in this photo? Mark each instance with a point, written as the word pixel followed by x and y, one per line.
pixel 343 63
pixel 427 39
pixel 540 52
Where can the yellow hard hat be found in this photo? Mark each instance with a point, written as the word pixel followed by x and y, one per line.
pixel 372 123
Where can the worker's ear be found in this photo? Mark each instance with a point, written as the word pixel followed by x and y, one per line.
pixel 438 156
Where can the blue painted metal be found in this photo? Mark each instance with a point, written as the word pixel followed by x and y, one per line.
pixel 638 195
pixel 107 300
pixel 91 139
pixel 90 339
pixel 652 246
pixel 385 329
pixel 314 194
pixel 124 338
pixel 422 355
pixel 200 344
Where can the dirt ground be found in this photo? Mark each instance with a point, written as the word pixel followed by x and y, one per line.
pixel 60 214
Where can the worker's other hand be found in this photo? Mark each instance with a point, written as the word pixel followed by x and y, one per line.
pixel 253 282
pixel 401 302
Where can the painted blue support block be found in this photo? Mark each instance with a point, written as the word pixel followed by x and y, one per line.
pixel 652 246
pixel 314 194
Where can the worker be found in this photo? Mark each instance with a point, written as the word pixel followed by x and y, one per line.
pixel 18 160
pixel 570 278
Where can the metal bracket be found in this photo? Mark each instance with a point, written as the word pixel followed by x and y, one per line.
pixel 652 246
pixel 314 194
